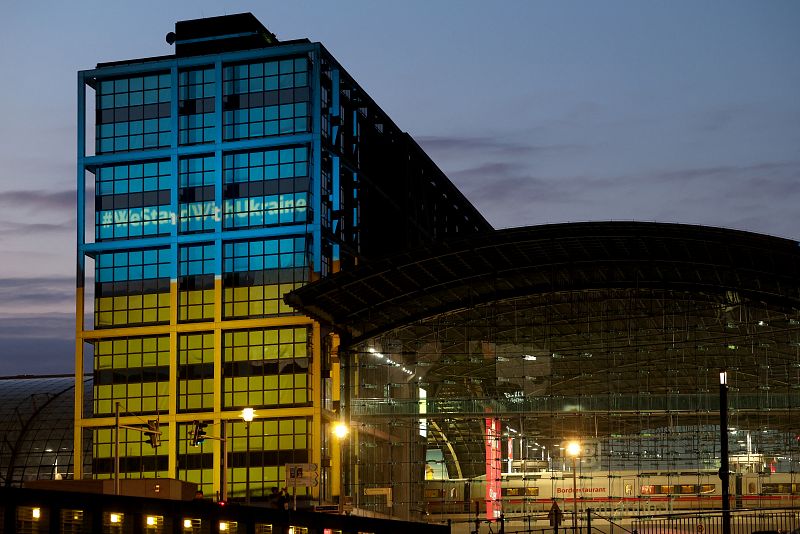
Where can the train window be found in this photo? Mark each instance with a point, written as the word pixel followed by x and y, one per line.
pixel 666 489
pixel 688 488
pixel 432 493
pixel 708 488
pixel 532 491
pixel 773 488
pixel 648 490
pixel 511 492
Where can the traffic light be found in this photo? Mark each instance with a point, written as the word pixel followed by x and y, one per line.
pixel 152 433
pixel 197 434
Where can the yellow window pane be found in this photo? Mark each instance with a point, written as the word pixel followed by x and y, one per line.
pixel 256 398
pixel 271 292
pixel 256 293
pixel 270 398
pixel 286 426
pixel 270 442
pixel 286 335
pixel 287 396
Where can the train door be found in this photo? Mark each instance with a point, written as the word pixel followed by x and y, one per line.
pixel 738 490
pixel 751 489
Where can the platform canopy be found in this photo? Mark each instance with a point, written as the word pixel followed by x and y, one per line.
pixel 599 331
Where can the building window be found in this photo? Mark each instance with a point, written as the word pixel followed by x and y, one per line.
pixel 136 455
pixel 273 444
pixel 132 288
pixel 133 371
pixel 196 283
pixel 196 118
pixel 266 188
pixel 195 464
pixel 196 372
pixel 269 98
pixel 198 212
pixel 133 201
pixel 258 273
pixel 133 113
pixel 265 367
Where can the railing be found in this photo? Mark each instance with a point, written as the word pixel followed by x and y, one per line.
pixel 762 521
pixel 687 403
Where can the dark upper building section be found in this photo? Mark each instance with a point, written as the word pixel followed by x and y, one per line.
pixel 214 35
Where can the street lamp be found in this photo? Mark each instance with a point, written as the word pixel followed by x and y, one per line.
pixel 724 468
pixel 341 430
pixel 573 450
pixel 247 416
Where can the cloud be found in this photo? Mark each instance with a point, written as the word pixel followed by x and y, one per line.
pixel 39 199
pixel 21 292
pixel 13 228
pixel 487 144
pixel 501 181
pixel 40 325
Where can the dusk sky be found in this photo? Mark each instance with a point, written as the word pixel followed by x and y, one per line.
pixel 540 112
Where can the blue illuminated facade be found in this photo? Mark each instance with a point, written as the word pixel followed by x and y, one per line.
pixel 212 182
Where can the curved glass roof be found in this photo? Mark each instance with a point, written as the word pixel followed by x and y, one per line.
pixel 36 424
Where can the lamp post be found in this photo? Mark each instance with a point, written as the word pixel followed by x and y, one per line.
pixel 340 430
pixel 247 416
pixel 724 468
pixel 573 450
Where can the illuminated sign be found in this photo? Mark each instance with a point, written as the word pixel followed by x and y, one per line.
pixel 493 469
pixel 254 211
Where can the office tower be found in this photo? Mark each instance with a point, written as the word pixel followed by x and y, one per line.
pixel 210 183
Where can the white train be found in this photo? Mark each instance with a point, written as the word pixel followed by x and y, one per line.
pixel 617 492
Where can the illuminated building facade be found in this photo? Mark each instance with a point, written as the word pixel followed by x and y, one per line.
pixel 210 183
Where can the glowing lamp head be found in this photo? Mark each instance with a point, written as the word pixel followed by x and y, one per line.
pixel 151 521
pixel 187 523
pixel 36 513
pixel 223 526
pixel 248 414
pixel 114 518
pixel 340 430
pixel 723 377
pixel 573 448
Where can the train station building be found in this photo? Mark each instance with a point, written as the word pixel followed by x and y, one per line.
pixel 272 274
pixel 472 368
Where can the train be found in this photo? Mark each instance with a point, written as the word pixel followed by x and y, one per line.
pixel 620 492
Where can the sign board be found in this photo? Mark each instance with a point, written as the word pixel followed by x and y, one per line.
pixel 302 475
pixel 387 492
